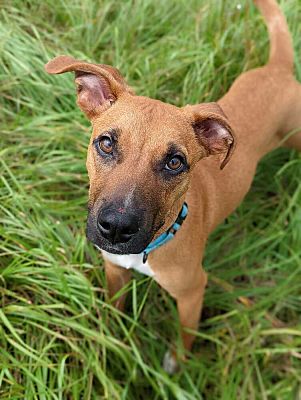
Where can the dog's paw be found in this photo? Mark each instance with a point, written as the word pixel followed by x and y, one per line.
pixel 170 363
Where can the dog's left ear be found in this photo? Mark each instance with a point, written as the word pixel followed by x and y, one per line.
pixel 98 85
pixel 212 130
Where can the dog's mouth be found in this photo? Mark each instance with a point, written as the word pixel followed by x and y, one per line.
pixel 135 245
pixel 120 250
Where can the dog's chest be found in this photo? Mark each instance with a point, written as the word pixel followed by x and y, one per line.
pixel 130 261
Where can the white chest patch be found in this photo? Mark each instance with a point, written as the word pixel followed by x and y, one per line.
pixel 128 261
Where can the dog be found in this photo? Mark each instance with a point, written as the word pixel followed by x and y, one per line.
pixel 163 177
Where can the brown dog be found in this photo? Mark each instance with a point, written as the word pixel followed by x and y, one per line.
pixel 143 162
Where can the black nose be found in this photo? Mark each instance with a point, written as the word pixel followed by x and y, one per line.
pixel 117 227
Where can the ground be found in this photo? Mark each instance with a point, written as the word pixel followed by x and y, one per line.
pixel 59 336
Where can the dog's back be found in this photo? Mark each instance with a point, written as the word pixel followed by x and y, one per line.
pixel 264 108
pixel 262 103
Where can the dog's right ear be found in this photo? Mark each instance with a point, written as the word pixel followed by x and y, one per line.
pixel 98 85
pixel 212 129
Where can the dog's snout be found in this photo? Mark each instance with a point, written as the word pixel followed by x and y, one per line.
pixel 117 227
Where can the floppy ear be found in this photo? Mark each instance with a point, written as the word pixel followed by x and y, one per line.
pixel 212 130
pixel 98 85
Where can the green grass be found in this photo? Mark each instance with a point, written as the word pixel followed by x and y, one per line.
pixel 59 336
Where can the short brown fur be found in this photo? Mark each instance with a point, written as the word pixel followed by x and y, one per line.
pixel 259 110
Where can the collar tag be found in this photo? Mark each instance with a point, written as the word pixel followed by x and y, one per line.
pixel 145 256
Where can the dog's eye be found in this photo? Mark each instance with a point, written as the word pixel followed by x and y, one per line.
pixel 105 144
pixel 174 164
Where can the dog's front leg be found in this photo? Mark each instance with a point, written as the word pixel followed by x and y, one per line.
pixel 190 306
pixel 117 277
pixel 189 297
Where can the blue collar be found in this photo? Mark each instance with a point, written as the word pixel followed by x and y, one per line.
pixel 168 235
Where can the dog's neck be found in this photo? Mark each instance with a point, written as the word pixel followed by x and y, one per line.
pixel 168 235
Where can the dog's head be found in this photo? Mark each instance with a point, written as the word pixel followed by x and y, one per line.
pixel 141 155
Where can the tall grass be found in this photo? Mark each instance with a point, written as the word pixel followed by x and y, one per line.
pixel 59 336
